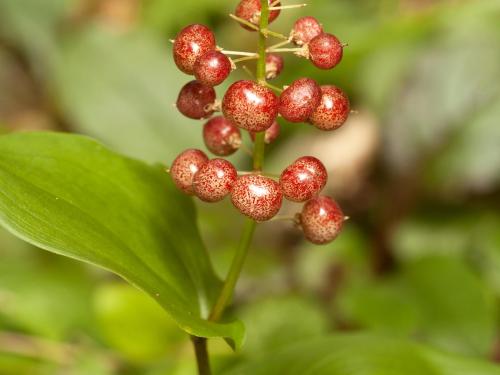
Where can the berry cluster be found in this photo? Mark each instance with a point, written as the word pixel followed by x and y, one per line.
pixel 253 106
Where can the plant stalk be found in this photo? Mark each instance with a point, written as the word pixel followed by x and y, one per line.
pixel 226 293
pixel 202 358
pixel 234 271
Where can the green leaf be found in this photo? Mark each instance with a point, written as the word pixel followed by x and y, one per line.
pixel 269 329
pixel 124 312
pixel 438 299
pixel 69 195
pixel 128 102
pixel 362 355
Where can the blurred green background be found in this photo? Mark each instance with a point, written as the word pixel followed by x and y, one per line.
pixel 417 169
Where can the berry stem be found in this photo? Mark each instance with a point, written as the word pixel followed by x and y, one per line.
pixel 284 7
pixel 244 22
pixel 265 31
pixel 239 53
pixel 280 44
pixel 285 218
pixel 300 49
pixel 275 88
pixel 245 58
pixel 248 71
pixel 268 32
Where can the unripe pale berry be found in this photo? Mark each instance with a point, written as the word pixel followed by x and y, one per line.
pixel 257 197
pixel 299 100
pixel 192 42
pixel 214 180
pixel 321 220
pixel 221 137
pixel 305 29
pixel 303 179
pixel 212 68
pixel 271 134
pixel 250 106
pixel 249 10
pixel 274 65
pixel 185 166
pixel 333 110
pixel 195 100
pixel 325 51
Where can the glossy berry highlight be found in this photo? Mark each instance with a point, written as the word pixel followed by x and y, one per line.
pixel 185 166
pixel 221 137
pixel 321 220
pixel 299 100
pixel 249 10
pixel 257 197
pixel 212 68
pixel 274 65
pixel 196 100
pixel 305 29
pixel 271 133
pixel 214 180
pixel 325 51
pixel 303 179
pixel 250 106
pixel 191 43
pixel 333 110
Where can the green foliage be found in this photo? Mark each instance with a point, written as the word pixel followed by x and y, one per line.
pixel 134 324
pixel 270 329
pixel 421 301
pixel 362 355
pixel 128 103
pixel 69 195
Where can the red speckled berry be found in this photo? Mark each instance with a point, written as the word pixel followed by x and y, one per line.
pixel 257 197
pixel 274 65
pixel 195 99
pixel 212 68
pixel 250 106
pixel 185 166
pixel 221 137
pixel 321 220
pixel 192 42
pixel 214 180
pixel 303 179
pixel 271 134
pixel 325 51
pixel 249 10
pixel 299 100
pixel 305 29
pixel 333 110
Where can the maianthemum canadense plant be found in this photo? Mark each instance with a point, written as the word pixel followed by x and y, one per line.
pixel 69 195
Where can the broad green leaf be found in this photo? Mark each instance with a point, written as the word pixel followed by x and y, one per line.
pixel 458 311
pixel 269 328
pixel 69 195
pixel 128 103
pixel 134 324
pixel 438 299
pixel 31 291
pixel 362 355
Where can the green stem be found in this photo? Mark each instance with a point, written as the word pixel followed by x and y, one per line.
pixel 226 293
pixel 234 272
pixel 202 358
pixel 259 144
pixel 258 161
